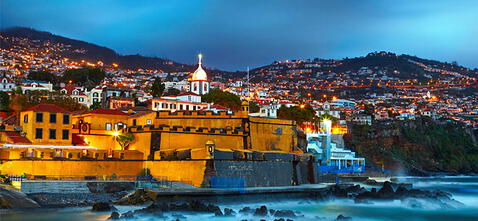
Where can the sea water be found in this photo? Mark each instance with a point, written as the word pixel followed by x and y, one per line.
pixel 463 188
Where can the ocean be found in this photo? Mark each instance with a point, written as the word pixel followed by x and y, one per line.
pixel 463 188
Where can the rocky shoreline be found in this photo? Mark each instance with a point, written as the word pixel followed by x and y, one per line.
pixel 157 205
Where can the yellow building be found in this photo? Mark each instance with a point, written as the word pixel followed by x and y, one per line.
pixel 46 124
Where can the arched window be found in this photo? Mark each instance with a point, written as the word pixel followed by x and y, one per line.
pixel 95 94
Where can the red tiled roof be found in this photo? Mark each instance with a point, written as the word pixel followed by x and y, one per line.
pixel 16 138
pixel 10 120
pixel 188 93
pixel 106 111
pixel 47 108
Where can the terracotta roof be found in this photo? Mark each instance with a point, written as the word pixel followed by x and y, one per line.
pixel 16 138
pixel 47 108
pixel 10 120
pixel 106 111
pixel 188 93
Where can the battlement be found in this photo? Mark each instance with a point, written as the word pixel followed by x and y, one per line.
pixel 200 114
pixel 240 131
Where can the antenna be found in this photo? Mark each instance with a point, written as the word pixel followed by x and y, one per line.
pixel 248 90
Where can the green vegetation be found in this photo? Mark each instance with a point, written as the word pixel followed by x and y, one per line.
pixel 225 99
pixel 254 107
pixel 42 76
pixel 124 140
pixel 4 101
pixel 87 77
pixel 157 88
pixel 21 102
pixel 417 146
pixel 297 113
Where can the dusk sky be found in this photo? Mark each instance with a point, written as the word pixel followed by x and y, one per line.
pixel 234 34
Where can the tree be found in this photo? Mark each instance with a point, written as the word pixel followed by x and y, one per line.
pixel 172 91
pixel 95 105
pixel 42 76
pixel 23 101
pixel 297 113
pixel 225 99
pixel 87 77
pixel 158 88
pixel 254 107
pixel 4 101
pixel 124 140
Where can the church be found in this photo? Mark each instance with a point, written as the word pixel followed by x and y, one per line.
pixel 186 100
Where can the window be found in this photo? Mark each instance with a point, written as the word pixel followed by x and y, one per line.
pixel 95 94
pixel 81 99
pixel 52 135
pixel 108 126
pixel 38 133
pixel 25 118
pixel 65 134
pixel 134 122
pixel 66 118
pixel 187 107
pixel 180 107
pixel 39 117
pixel 52 117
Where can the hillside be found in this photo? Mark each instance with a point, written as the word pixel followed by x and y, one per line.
pixel 80 50
pixel 417 147
pixel 373 66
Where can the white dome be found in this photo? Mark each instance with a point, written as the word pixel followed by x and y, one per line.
pixel 199 74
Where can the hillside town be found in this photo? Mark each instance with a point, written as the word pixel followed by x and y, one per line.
pixel 361 95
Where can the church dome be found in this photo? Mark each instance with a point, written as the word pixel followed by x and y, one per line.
pixel 199 74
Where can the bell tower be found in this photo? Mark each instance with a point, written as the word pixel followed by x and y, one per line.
pixel 198 83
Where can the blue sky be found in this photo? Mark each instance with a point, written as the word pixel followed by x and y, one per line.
pixel 234 34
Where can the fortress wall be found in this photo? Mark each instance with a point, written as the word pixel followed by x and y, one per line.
pixel 71 167
pixel 263 173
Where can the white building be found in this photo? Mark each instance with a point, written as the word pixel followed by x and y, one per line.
pixel 6 84
pixel 29 85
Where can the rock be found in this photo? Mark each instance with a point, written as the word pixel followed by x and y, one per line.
pixel 114 215
pixel 218 213
pixel 245 210
pixel 281 219
pixel 386 191
pixel 109 187
pixel 102 206
pixel 229 212
pixel 127 215
pixel 271 211
pixel 342 217
pixel 138 197
pixel 11 199
pixel 284 213
pixel 262 211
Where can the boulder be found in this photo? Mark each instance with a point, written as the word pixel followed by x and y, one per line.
pixel 229 212
pixel 11 199
pixel 138 197
pixel 386 191
pixel 102 206
pixel 262 211
pixel 342 217
pixel 284 213
pixel 128 215
pixel 114 215
pixel 245 210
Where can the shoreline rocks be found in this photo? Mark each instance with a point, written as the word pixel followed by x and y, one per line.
pixel 11 199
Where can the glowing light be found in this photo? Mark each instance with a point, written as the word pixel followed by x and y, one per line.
pixel 116 133
pixel 302 106
pixel 327 125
